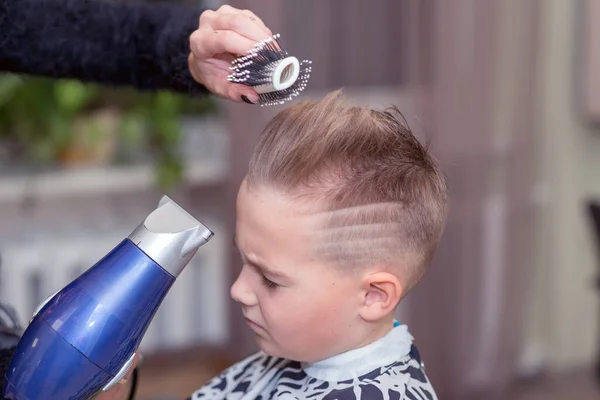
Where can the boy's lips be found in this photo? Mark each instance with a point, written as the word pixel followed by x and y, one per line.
pixel 253 324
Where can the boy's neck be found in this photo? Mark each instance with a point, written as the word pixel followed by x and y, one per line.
pixel 375 332
pixel 370 334
pixel 374 353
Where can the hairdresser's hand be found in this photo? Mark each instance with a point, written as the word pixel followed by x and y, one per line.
pixel 121 391
pixel 221 36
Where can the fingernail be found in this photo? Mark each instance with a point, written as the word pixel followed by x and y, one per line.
pixel 246 99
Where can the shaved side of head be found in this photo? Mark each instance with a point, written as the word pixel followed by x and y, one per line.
pixel 380 198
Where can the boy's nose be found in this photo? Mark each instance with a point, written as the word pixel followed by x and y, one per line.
pixel 242 292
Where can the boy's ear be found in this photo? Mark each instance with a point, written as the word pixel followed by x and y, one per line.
pixel 382 292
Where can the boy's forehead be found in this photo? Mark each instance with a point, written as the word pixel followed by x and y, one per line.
pixel 263 197
pixel 272 215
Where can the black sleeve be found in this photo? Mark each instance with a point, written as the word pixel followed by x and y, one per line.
pixel 5 356
pixel 143 45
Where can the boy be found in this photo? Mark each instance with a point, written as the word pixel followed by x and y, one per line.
pixel 337 220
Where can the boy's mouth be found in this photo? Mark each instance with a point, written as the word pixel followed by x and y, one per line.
pixel 253 324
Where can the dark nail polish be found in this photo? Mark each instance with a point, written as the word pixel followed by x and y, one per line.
pixel 246 100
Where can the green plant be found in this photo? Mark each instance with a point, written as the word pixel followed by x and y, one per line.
pixel 41 118
pixel 152 121
pixel 36 115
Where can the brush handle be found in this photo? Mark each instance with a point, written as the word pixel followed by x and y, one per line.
pixel 284 75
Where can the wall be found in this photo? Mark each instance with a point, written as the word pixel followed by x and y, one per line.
pixel 58 223
pixel 563 313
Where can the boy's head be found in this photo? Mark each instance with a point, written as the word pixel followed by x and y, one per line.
pixel 337 220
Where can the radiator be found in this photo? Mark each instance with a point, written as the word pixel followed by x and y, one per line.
pixel 193 312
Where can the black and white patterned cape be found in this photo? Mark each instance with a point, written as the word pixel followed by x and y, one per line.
pixel 389 369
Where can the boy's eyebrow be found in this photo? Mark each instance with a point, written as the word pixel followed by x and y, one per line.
pixel 263 268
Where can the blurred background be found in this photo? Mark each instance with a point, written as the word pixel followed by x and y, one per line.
pixel 506 92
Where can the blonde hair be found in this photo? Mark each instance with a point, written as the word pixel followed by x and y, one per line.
pixel 383 196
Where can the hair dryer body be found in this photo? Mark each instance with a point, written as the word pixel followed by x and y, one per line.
pixel 82 340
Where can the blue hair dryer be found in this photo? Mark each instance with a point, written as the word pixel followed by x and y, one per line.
pixel 83 339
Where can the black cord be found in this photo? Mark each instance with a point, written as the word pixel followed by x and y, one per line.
pixel 134 383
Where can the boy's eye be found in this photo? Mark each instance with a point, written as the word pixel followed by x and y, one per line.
pixel 268 283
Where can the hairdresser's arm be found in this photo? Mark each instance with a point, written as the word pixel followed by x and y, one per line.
pixel 147 46
pixel 134 44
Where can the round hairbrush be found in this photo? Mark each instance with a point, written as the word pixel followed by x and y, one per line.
pixel 276 76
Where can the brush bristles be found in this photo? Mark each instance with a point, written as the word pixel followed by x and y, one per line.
pixel 256 69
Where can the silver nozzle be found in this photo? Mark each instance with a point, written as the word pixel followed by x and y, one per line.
pixel 170 236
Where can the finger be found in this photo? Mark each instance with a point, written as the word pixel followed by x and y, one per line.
pixel 134 364
pixel 227 9
pixel 192 67
pixel 241 24
pixel 206 17
pixel 254 18
pixel 205 43
pixel 235 91
pixel 136 361
pixel 226 59
pixel 220 88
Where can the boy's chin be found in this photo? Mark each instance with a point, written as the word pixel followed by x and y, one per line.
pixel 265 346
pixel 270 349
